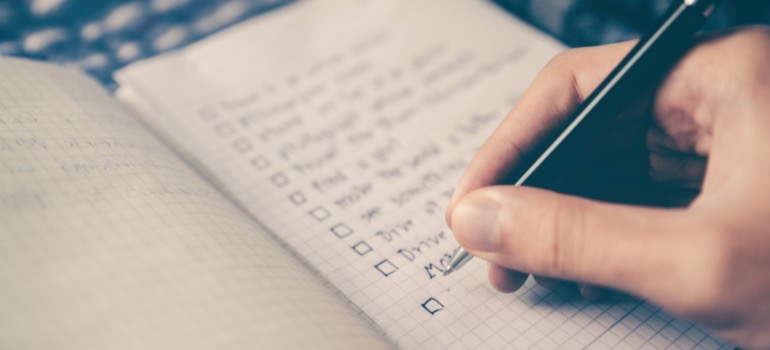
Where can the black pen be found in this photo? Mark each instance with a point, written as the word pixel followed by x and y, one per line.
pixel 651 58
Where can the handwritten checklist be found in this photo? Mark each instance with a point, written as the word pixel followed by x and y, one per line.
pixel 350 156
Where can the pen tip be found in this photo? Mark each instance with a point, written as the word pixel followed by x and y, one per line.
pixel 448 270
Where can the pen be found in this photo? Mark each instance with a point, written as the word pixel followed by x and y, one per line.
pixel 648 61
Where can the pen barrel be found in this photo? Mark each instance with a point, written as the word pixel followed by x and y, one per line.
pixel 640 71
pixel 637 74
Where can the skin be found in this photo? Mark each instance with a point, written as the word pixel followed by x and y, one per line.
pixel 695 239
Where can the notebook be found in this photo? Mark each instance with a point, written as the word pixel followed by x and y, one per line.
pixel 279 185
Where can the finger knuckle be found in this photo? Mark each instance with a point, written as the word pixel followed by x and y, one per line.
pixel 559 66
pixel 562 237
pixel 564 63
pixel 564 59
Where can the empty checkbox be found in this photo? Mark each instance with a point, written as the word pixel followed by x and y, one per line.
pixel 432 305
pixel 243 145
pixel 386 267
pixel 362 248
pixel 224 129
pixel 341 230
pixel 260 163
pixel 297 198
pixel 279 180
pixel 320 213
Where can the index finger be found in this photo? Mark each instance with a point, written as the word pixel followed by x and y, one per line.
pixel 558 89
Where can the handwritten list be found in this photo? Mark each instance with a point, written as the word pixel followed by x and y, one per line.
pixel 346 142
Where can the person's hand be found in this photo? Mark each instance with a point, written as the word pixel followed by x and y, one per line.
pixel 708 260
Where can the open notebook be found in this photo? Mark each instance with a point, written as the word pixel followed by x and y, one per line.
pixel 278 185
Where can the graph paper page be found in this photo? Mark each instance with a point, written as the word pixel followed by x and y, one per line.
pixel 344 128
pixel 109 241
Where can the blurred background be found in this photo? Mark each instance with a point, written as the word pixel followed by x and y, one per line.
pixel 100 36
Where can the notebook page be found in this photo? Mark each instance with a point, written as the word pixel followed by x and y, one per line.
pixel 109 241
pixel 344 128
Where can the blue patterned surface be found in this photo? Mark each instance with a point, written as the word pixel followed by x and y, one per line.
pixel 100 36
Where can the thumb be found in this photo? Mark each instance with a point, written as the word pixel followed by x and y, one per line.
pixel 553 235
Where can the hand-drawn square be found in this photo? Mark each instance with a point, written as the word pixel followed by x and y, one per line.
pixel 243 145
pixel 319 213
pixel 386 267
pixel 432 305
pixel 208 114
pixel 279 180
pixel 297 198
pixel 260 163
pixel 224 129
pixel 362 248
pixel 341 230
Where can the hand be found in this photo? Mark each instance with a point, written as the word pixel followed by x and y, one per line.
pixel 709 260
